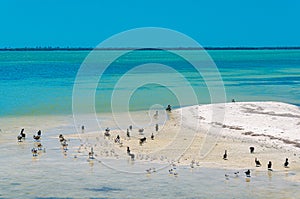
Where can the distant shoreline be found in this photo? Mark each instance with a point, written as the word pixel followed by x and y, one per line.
pixel 129 48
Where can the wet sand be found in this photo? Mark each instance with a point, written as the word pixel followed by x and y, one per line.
pixel 182 143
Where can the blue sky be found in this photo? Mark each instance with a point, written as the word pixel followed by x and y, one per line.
pixel 86 23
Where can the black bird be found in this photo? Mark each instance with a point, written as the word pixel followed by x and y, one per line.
pixel 257 162
pixel 248 173
pixel 152 137
pixel 169 108
pixel 270 166
pixel 286 164
pixel 118 139
pixel 142 140
pixel 251 149
pixel 39 133
pixel 128 150
pixel 225 155
pixel 61 138
pixel 23 134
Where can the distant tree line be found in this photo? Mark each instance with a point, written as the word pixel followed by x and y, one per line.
pixel 50 48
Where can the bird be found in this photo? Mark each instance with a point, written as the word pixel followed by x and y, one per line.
pixel 39 145
pixel 22 134
pixel 286 164
pixel 61 138
pixel 251 149
pixel 257 162
pixel 91 154
pixel 236 174
pixel 132 156
pixel 148 171
pixel 34 152
pixel 225 155
pixel 19 138
pixel 128 150
pixel 152 137
pixel 169 108
pixel 65 145
pixel 270 166
pixel 192 164
pixel 141 131
pixel 36 137
pixel 128 133
pixel 226 176
pixel 248 173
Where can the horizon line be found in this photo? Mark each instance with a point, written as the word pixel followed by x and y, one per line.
pixel 58 48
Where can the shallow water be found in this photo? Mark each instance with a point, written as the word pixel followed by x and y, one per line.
pixel 56 173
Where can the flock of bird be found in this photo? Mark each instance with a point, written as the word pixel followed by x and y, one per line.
pixel 257 163
pixel 37 142
pixel 91 154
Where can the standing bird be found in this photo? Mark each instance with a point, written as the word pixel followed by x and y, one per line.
pixel 128 150
pixel 251 149
pixel 257 162
pixel 169 108
pixel 225 155
pixel 91 154
pixel 248 173
pixel 156 114
pixel 152 137
pixel 156 127
pixel 38 135
pixel 128 133
pixel 286 164
pixel 21 136
pixel 270 166
pixel 34 152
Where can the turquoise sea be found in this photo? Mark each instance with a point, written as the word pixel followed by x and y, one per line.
pixel 36 90
pixel 41 82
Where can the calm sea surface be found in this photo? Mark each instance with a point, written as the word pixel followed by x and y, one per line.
pixel 41 83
